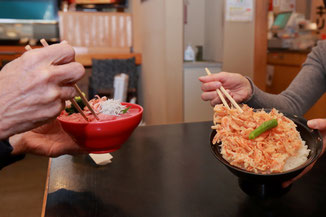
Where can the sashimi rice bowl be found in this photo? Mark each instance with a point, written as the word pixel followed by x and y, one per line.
pixel 264 147
pixel 117 120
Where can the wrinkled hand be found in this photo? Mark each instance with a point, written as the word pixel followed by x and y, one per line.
pixel 238 86
pixel 318 124
pixel 47 140
pixel 34 86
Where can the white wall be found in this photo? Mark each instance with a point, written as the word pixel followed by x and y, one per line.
pixel 205 27
pixel 213 49
pixel 239 45
pixel 194 29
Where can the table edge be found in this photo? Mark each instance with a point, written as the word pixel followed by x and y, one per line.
pixel 45 196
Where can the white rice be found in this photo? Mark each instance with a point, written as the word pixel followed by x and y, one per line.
pixel 295 161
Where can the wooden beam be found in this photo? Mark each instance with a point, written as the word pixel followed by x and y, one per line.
pixel 12 52
pixel 162 69
pixel 260 52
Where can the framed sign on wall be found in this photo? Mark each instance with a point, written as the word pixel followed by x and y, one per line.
pixel 236 10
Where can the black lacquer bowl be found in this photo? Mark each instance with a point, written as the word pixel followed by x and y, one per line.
pixel 270 185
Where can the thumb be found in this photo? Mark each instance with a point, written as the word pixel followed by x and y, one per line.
pixel 318 124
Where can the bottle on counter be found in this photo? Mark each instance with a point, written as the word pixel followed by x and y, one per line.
pixel 189 54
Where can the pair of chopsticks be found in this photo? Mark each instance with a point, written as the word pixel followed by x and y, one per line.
pixel 72 100
pixel 226 94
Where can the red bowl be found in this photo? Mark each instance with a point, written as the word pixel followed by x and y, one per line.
pixel 104 136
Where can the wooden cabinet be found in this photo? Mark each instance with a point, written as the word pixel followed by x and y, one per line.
pixel 283 66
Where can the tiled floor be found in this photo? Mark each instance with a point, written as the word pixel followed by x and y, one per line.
pixel 22 187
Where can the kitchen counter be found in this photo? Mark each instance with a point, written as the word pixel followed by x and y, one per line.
pixel 201 64
pixel 169 170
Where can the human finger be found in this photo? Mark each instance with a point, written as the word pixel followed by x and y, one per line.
pixel 318 124
pixel 215 101
pixel 58 53
pixel 67 92
pixel 209 78
pixel 221 77
pixel 50 110
pixel 210 86
pixel 67 74
pixel 206 78
pixel 49 127
pixel 206 96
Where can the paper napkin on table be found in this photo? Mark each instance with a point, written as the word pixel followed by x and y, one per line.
pixel 101 159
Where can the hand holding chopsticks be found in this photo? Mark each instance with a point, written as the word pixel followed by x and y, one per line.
pixel 45 44
pixel 226 94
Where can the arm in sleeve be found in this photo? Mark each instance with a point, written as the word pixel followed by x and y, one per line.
pixel 5 154
pixel 303 92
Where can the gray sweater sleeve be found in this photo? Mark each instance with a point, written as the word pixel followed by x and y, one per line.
pixel 307 87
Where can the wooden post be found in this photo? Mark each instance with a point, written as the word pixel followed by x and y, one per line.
pixel 260 53
pixel 161 29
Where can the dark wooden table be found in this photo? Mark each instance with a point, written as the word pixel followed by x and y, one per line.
pixel 165 171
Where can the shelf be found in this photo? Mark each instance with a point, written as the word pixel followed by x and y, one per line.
pixel 202 64
pixel 119 6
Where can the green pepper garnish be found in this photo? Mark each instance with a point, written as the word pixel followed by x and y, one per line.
pixel 267 125
pixel 125 110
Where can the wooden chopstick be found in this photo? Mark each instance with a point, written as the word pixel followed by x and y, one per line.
pixel 73 101
pixel 28 47
pixel 45 44
pixel 218 92
pixel 231 99
pixel 226 94
pixel 86 102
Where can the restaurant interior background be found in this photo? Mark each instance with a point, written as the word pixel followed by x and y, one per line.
pixel 264 39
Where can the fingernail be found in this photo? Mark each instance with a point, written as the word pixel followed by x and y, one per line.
pixel 312 123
